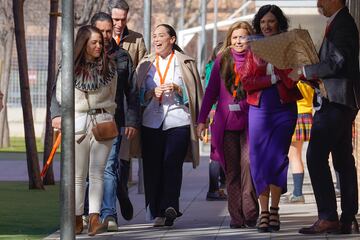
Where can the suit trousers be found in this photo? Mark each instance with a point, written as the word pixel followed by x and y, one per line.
pixel 332 133
pixel 163 153
pixel 242 201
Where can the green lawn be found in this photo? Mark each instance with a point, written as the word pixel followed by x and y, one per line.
pixel 28 214
pixel 17 144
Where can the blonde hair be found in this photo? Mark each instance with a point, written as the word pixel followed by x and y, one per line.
pixel 232 28
pixel 227 62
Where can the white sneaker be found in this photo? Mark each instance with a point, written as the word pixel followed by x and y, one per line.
pixel 111 224
pixel 159 222
pixel 297 199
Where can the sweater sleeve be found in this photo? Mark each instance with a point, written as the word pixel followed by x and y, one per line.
pixel 55 107
pixel 132 98
pixel 211 93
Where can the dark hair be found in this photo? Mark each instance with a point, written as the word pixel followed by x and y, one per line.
pixel 171 31
pixel 82 37
pixel 101 16
pixel 283 21
pixel 120 4
pixel 216 51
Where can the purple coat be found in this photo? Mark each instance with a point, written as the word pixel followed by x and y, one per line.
pixel 224 119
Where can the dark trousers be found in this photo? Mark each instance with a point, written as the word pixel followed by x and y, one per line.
pixel 242 201
pixel 123 174
pixel 163 155
pixel 331 133
pixel 216 174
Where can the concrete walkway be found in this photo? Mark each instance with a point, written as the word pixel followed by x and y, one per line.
pixel 210 220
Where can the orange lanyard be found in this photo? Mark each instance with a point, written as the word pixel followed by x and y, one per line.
pixel 162 78
pixel 237 81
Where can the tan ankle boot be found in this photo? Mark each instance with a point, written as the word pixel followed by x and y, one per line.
pixel 79 225
pixel 95 225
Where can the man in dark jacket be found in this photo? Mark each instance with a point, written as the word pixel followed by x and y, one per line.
pixel 130 120
pixel 331 132
pixel 132 42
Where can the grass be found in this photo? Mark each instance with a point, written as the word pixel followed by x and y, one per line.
pixel 17 144
pixel 28 214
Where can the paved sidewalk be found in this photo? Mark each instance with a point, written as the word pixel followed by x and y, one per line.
pixel 210 220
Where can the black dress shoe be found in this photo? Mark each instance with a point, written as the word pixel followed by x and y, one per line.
pixel 216 196
pixel 250 223
pixel 127 210
pixel 349 228
pixel 321 226
pixel 234 226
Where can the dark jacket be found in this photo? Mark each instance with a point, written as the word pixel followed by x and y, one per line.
pixel 254 80
pixel 127 86
pixel 339 61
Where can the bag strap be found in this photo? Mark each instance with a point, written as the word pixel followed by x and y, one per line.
pixel 92 118
pixel 87 114
pixel 87 99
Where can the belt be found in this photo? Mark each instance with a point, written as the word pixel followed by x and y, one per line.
pixel 96 111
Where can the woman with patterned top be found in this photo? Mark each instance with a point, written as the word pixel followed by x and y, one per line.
pixel 95 89
pixel 171 93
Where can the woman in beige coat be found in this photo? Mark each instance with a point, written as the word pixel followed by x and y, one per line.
pixel 95 88
pixel 171 95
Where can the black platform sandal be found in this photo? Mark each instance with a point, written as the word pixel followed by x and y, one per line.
pixel 264 222
pixel 274 220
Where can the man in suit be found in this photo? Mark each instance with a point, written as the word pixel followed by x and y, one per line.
pixel 131 41
pixel 331 132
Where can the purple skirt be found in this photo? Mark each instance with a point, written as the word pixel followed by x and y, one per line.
pixel 271 126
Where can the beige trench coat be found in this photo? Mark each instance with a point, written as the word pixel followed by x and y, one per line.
pixel 133 42
pixel 195 91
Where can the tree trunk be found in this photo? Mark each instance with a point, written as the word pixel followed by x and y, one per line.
pixel 31 151
pixel 90 7
pixel 48 142
pixel 6 46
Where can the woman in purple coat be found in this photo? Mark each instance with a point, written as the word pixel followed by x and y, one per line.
pixel 229 144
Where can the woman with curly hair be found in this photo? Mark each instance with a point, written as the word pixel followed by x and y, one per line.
pixel 272 96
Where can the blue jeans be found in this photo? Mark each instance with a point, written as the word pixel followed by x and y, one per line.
pixel 111 176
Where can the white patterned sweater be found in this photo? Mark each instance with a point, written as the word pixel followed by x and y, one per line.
pixel 102 97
